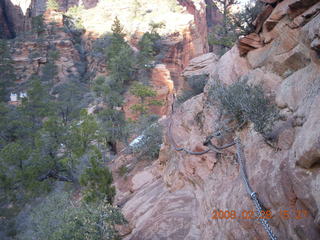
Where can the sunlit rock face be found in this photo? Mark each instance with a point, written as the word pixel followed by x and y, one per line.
pixel 174 197
pixel 29 55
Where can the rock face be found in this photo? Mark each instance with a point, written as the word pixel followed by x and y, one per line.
pixel 31 55
pixel 16 15
pixel 175 196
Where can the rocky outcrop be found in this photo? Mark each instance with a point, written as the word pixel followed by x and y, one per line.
pixel 31 55
pixel 249 42
pixel 14 17
pixel 174 197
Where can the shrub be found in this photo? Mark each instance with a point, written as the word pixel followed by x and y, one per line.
pixel 148 146
pixel 196 85
pixel 59 217
pixel 123 170
pixel 246 103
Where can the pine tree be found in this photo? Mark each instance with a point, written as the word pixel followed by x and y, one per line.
pixel 97 180
pixel 144 93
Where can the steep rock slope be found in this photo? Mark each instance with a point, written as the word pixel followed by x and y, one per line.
pixel 175 196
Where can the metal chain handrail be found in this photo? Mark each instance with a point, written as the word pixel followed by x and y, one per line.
pixel 252 194
pixel 241 160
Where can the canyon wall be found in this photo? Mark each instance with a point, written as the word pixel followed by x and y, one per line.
pixel 175 196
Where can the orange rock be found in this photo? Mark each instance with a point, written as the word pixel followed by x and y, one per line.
pixel 248 43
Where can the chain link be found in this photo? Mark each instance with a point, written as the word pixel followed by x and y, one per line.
pixel 253 195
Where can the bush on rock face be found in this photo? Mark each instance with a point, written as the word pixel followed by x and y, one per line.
pixel 149 143
pixel 246 103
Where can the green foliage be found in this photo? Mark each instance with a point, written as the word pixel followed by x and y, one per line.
pixel 246 103
pixel 75 13
pixel 224 34
pixel 244 19
pixel 156 25
pixel 53 55
pixel 225 38
pixel 52 5
pixel 49 71
pixel 61 218
pixel 149 144
pixel 122 65
pixel 82 133
pixel 7 76
pixel 14 154
pixel 196 85
pixel 72 97
pixel 113 126
pixel 120 57
pixel 123 170
pixel 144 92
pixel 148 46
pixel 37 105
pixel 97 180
pixel 117 39
pixel 37 24
pixel 109 90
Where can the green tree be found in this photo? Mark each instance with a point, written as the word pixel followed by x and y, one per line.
pixel 14 154
pixel 120 57
pixel 97 180
pixel 113 126
pixel 36 106
pixel 245 18
pixel 117 39
pixel 145 93
pixel 122 65
pixel 224 34
pixel 81 134
pixel 72 97
pixel 148 47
